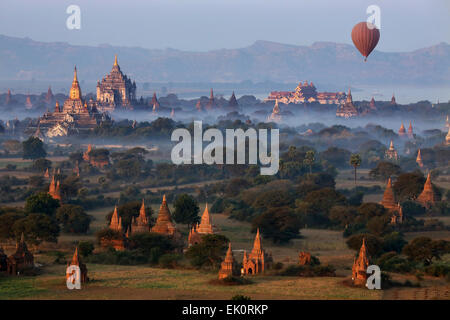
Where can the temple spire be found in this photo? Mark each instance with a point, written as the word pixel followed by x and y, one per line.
pixel 115 60
pixel 75 76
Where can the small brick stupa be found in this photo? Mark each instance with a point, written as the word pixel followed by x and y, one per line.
pixel 54 189
pixel 21 260
pixel 227 268
pixel 83 269
pixel 360 264
pixel 419 160
pixel 115 224
pixel 428 197
pixel 391 205
pixel 140 224
pixel 205 227
pixel 164 224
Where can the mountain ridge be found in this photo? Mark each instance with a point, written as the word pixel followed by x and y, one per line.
pixel 322 61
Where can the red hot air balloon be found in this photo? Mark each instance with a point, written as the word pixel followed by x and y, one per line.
pixel 365 37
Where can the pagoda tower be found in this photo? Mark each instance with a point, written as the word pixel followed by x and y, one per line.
pixel 140 224
pixel 275 116
pixel 205 227
pixel 233 101
pixel 28 104
pixel 360 264
pixel 164 224
pixel 391 153
pixel 116 221
pixel 348 109
pixel 54 189
pixel 419 159
pixel 428 197
pixel 410 131
pixel 402 130
pixel 227 267
pixel 198 106
pixel 49 95
pixel 388 200
pixel 257 261
pixel 393 101
pixel 372 104
pixel 8 98
pixel 77 262
pixel 211 103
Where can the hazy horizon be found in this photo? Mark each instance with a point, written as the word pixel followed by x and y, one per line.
pixel 201 25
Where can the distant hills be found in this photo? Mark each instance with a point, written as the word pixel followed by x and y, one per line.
pixel 324 62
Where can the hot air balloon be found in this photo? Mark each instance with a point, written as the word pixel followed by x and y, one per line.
pixel 365 37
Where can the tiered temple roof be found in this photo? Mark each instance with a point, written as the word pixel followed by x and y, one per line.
pixel 54 189
pixel 391 153
pixel 233 101
pixel 21 259
pixel 360 264
pixel 227 266
pixel 164 224
pixel 257 261
pixel 205 227
pixel 402 130
pixel 116 221
pixel 347 109
pixel 428 197
pixel 115 89
pixel 419 159
pixel 140 224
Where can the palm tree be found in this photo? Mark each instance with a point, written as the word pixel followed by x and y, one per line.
pixel 309 159
pixel 355 162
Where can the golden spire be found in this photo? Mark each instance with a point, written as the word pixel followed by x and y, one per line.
pixel 75 77
pixel 115 60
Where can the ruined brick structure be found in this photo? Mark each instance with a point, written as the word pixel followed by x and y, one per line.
pixel 115 90
pixel 258 260
pixel 360 264
pixel 227 267
pixel 304 258
pixel 83 269
pixel 21 260
pixel 197 231
pixel 96 162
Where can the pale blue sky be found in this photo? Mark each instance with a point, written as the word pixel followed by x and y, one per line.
pixel 200 25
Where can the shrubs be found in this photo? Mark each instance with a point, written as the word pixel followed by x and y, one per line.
pixel 86 248
pixel 308 271
pixel 170 260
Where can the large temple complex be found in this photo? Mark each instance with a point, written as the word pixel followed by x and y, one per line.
pixel 115 90
pixel 75 116
pixel 306 92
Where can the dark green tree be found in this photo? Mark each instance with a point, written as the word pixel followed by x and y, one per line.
pixel 33 148
pixel 186 210
pixel 209 252
pixel 37 227
pixel 41 202
pixel 279 224
pixel 73 218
